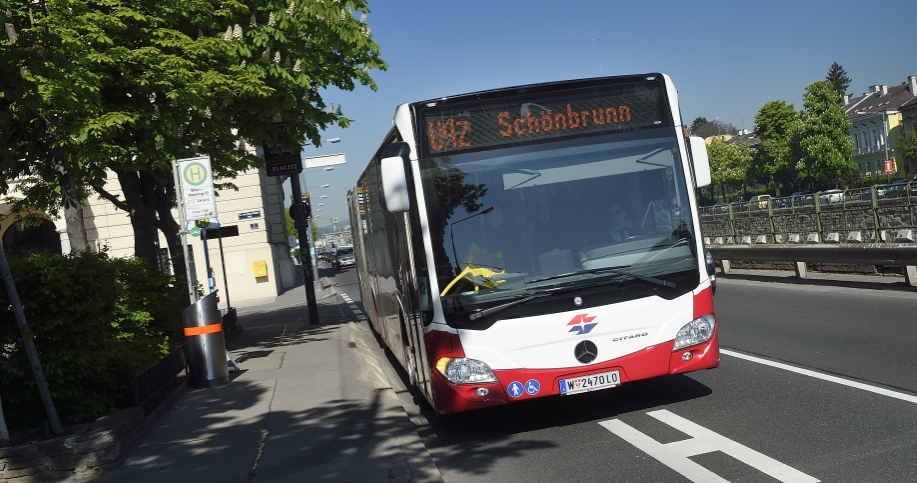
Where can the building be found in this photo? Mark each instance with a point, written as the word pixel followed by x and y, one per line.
pixel 877 127
pixel 258 261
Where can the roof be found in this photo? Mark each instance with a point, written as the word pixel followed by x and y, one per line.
pixel 874 102
pixel 749 139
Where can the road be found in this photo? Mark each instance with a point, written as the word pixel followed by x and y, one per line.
pixel 816 383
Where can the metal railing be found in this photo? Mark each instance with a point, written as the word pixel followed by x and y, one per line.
pixel 875 214
pixel 150 385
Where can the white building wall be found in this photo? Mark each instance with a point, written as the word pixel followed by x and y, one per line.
pixel 261 238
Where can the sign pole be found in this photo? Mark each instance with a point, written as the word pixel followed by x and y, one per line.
pixel 192 294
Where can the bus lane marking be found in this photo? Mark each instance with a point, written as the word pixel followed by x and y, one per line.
pixel 676 455
pixel 824 377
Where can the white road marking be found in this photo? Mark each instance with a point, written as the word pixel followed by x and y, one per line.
pixel 353 307
pixel 824 377
pixel 676 455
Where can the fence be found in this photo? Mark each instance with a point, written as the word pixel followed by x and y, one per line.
pixel 875 214
pixel 151 385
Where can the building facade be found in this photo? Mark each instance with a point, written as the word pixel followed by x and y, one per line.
pixel 257 261
pixel 877 127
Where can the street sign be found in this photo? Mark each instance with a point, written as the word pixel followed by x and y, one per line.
pixel 283 163
pixel 326 160
pixel 889 166
pixel 196 179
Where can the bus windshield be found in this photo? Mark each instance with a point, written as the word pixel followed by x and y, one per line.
pixel 509 222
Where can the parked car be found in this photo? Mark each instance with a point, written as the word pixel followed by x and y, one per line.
pixel 343 257
pixel 761 201
pixel 866 194
pixel 802 198
pixel 900 189
pixel 832 196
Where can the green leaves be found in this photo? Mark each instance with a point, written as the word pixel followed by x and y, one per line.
pixel 729 163
pixel 821 144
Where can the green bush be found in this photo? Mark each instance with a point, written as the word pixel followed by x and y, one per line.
pixel 96 321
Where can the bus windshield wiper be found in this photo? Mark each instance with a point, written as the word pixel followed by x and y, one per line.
pixel 614 270
pixel 477 314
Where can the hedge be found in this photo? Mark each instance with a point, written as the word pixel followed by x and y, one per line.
pixel 96 322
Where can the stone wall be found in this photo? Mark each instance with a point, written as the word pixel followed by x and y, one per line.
pixel 86 450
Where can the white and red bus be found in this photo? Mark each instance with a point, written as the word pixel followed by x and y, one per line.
pixel 537 240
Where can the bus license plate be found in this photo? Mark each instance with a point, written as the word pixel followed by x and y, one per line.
pixel 591 382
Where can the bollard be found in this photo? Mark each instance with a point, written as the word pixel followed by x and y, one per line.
pixel 205 344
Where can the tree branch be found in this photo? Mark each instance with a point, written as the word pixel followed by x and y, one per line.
pixel 110 197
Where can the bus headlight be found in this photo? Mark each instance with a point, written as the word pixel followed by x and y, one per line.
pixel 465 371
pixel 697 331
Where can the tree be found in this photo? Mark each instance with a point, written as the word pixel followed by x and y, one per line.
pixel 44 104
pixel 729 163
pixel 821 144
pixel 181 78
pixel 909 144
pixel 774 126
pixel 837 76
pixel 696 123
pixel 714 128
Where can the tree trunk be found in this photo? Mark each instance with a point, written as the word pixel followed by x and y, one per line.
pixel 73 205
pixel 165 201
pixel 138 194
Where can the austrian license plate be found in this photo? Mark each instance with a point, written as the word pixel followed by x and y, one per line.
pixel 591 382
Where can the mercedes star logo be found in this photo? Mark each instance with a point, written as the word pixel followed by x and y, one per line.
pixel 577 301
pixel 585 351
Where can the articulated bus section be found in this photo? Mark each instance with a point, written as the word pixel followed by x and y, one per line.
pixel 501 264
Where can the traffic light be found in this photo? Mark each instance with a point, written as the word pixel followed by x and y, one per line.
pixel 307 209
pixel 294 211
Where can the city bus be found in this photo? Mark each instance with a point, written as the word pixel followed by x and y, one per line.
pixel 536 241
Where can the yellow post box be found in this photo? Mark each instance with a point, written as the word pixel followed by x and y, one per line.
pixel 260 268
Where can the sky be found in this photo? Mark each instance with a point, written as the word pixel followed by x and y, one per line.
pixel 727 59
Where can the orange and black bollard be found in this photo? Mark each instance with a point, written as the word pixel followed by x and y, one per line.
pixel 205 343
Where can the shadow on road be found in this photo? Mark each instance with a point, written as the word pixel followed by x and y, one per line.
pixel 879 282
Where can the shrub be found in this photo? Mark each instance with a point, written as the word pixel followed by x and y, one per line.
pixel 96 322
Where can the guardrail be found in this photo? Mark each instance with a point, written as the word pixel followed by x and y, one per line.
pixel 872 254
pixel 875 214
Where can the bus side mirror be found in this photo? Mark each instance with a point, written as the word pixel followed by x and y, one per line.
pixel 395 185
pixel 701 161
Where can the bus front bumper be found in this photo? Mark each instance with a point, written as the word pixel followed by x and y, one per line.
pixel 653 361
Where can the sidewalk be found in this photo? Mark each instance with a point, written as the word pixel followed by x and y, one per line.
pixel 309 405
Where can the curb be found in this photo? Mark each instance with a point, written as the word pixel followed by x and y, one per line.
pixel 422 467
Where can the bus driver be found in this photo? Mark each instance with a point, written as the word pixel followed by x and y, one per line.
pixel 619 228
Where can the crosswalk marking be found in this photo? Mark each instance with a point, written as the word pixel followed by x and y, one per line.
pixel 676 455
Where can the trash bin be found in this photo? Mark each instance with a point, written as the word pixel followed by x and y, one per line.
pixel 205 344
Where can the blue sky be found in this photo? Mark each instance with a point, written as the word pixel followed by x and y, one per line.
pixel 726 59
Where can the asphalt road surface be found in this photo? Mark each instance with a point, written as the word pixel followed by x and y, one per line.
pixel 816 383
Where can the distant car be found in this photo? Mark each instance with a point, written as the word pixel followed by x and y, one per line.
pixel 343 257
pixel 832 196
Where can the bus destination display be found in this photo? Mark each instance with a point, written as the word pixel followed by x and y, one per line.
pixel 508 121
